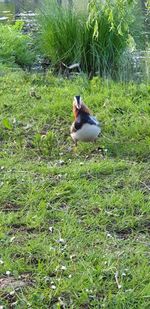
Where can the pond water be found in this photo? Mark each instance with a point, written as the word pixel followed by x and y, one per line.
pixel 10 8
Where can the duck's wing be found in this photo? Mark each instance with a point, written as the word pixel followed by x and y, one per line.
pixel 89 119
pixel 81 120
pixel 93 120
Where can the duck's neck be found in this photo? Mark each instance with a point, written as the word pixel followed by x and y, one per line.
pixel 83 111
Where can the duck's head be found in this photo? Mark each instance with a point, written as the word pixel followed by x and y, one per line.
pixel 77 102
pixel 79 106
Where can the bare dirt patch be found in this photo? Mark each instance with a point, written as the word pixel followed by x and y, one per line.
pixel 145 186
pixel 9 206
pixel 10 286
pixel 21 227
pixel 10 282
pixel 124 233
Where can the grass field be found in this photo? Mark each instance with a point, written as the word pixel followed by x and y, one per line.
pixel 75 223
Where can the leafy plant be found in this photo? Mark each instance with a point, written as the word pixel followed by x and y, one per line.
pixel 14 46
pixel 6 123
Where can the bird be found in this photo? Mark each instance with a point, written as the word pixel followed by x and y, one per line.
pixel 85 127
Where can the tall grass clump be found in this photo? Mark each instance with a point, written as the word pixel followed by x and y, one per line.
pixel 60 37
pixel 95 38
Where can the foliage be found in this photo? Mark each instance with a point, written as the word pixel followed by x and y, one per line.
pixel 74 223
pixel 96 38
pixel 15 46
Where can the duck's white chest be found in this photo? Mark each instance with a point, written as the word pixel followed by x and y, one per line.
pixel 87 133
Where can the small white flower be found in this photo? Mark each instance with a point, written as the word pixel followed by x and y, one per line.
pixel 109 235
pixel 11 240
pixel 53 287
pixel 73 256
pixel 14 304
pixel 8 273
pixel 51 229
pixel 61 241
pixel 61 162
pixel 63 267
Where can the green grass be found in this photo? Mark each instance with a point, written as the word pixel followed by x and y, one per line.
pixel 74 222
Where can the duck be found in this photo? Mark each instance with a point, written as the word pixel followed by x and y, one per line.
pixel 85 127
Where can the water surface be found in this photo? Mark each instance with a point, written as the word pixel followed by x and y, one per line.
pixel 10 8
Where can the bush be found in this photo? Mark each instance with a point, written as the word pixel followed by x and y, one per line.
pixel 14 46
pixel 96 38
